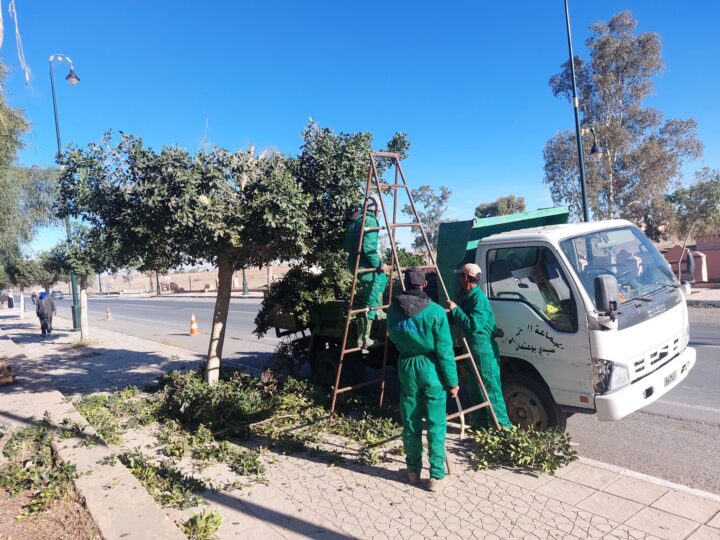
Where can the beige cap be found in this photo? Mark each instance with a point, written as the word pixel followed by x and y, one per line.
pixel 471 269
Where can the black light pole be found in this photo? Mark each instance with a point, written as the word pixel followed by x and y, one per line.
pixel 73 79
pixel 576 108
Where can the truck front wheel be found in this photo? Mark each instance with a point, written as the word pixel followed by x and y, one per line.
pixel 530 404
pixel 324 368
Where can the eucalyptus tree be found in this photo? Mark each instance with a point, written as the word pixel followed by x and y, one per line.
pixel 642 152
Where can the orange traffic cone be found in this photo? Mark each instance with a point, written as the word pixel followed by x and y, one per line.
pixel 108 315
pixel 194 331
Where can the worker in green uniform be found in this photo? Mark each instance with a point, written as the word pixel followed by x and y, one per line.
pixel 370 285
pixel 475 318
pixel 426 367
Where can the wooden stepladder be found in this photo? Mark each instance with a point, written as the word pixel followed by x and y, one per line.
pixel 375 185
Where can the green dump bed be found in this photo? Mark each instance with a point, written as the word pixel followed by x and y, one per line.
pixel 458 240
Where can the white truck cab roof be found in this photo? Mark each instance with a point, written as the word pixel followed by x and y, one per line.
pixel 554 233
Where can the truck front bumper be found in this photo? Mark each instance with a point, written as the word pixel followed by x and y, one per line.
pixel 628 399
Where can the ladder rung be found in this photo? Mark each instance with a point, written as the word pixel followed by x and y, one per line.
pixel 356 386
pixel 468 410
pixel 374 229
pixel 465 356
pixel 398 225
pixel 349 351
pixel 389 186
pixel 366 270
pixel 367 309
pixel 386 154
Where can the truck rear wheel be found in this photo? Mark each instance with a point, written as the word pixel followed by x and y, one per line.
pixel 530 404
pixel 324 368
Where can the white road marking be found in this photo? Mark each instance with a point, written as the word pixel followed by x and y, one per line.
pixel 688 406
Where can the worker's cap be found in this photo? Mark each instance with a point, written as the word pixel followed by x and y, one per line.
pixel 470 269
pixel 414 277
pixel 372 202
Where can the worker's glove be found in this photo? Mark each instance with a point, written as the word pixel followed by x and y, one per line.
pixel 454 391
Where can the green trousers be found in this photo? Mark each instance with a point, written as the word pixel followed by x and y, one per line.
pixel 422 393
pixel 489 367
pixel 369 293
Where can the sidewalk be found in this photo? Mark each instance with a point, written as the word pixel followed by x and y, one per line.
pixel 308 496
pixel 704 298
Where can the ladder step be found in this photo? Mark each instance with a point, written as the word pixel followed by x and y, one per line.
pixel 465 356
pixel 468 410
pixel 374 229
pixel 389 186
pixel 386 154
pixel 359 385
pixel 367 309
pixel 399 225
pixel 349 351
pixel 366 270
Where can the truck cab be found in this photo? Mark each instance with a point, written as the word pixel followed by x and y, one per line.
pixel 590 318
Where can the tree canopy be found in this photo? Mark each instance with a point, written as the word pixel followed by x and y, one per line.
pixel 697 206
pixel 642 152
pixel 501 207
pixel 431 208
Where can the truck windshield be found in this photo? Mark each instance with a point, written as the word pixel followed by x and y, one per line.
pixel 624 253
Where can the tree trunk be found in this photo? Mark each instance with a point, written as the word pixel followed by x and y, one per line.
pixel 217 335
pixel 22 302
pixel 84 327
pixel 682 253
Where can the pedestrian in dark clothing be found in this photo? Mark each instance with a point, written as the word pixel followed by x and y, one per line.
pixel 45 309
pixel 691 266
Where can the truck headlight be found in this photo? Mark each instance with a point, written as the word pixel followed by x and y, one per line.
pixel 620 377
pixel 607 375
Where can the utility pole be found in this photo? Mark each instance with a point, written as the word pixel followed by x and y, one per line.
pixel 73 79
pixel 576 109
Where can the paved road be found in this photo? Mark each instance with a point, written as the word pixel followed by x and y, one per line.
pixel 167 321
pixel 676 438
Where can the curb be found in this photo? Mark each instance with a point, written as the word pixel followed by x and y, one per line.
pixel 703 303
pixel 113 497
pixel 650 479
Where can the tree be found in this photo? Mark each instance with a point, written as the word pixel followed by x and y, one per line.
pixel 501 207
pixel 430 207
pixel 169 208
pixel 697 207
pixel 642 153
pixel 332 170
pixel 85 253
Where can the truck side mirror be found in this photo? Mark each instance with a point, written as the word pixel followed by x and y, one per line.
pixel 606 293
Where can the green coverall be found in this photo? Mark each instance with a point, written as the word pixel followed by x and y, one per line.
pixel 426 368
pixel 370 285
pixel 475 318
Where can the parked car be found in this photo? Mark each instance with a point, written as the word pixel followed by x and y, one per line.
pixel 57 295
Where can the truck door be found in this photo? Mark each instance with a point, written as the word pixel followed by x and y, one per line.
pixel 542 318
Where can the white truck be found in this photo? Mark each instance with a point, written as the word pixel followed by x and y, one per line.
pixel 590 316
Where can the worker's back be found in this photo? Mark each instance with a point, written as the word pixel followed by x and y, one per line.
pixel 414 325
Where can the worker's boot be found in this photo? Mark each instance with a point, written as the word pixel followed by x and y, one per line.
pixel 364 329
pixel 412 477
pixel 436 484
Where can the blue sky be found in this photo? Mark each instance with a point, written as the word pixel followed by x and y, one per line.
pixel 466 80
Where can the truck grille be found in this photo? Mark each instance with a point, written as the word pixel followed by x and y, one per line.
pixel 649 362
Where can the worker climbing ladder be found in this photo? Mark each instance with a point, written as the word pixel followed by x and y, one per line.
pixel 376 185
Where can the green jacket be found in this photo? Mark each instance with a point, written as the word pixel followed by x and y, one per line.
pixel 476 319
pixel 369 257
pixel 419 328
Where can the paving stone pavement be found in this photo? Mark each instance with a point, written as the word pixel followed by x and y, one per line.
pixel 307 495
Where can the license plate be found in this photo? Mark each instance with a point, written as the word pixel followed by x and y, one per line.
pixel 670 378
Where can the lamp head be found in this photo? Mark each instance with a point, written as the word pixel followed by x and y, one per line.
pixel 72 77
pixel 595 152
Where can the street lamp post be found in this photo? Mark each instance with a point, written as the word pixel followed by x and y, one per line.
pixel 73 79
pixel 576 108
